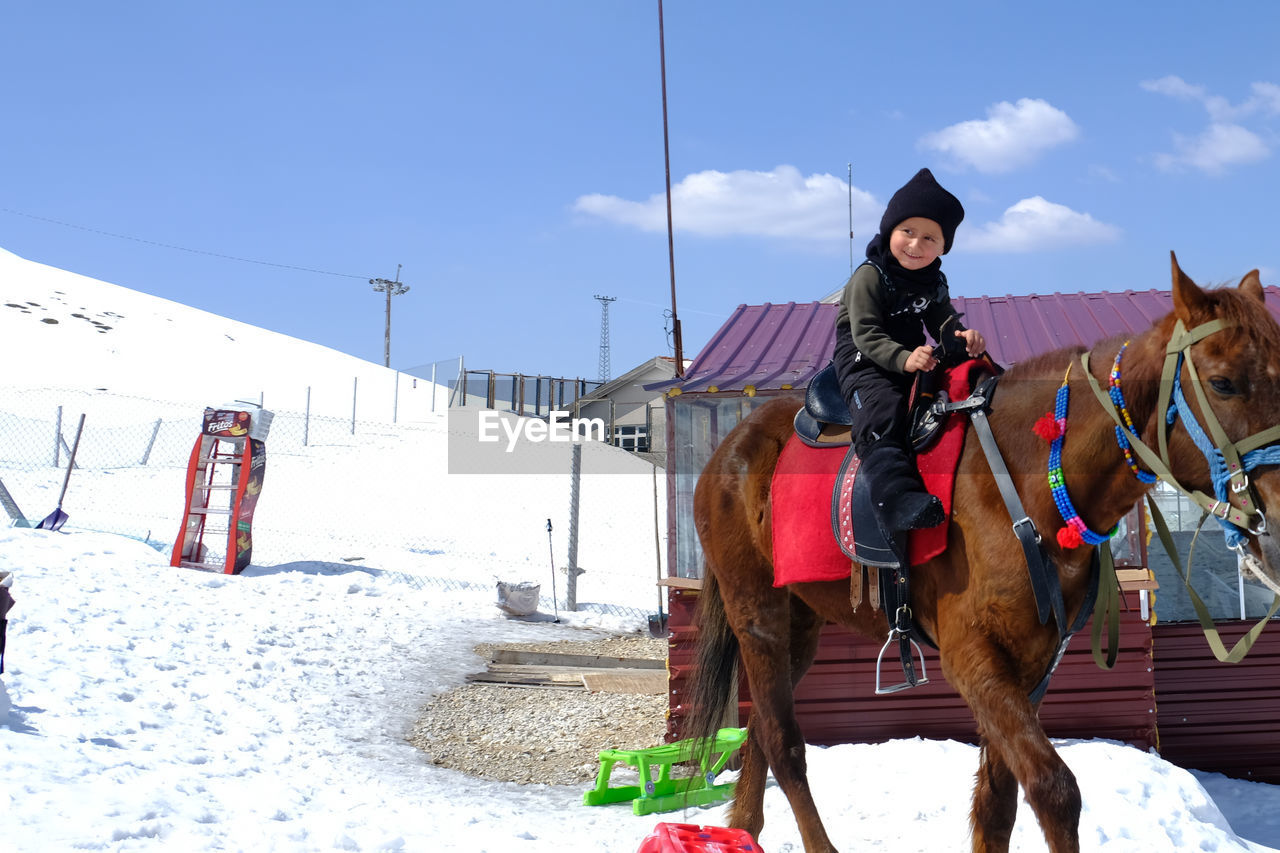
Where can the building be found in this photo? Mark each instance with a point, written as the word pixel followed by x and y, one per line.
pixel 635 417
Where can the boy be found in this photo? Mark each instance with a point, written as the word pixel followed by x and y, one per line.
pixel 888 302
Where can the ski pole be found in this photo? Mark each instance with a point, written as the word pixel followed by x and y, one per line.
pixel 551 550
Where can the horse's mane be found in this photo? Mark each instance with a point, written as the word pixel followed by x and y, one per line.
pixel 1045 365
pixel 1235 307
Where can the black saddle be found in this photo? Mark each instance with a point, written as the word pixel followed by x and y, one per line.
pixel 825 421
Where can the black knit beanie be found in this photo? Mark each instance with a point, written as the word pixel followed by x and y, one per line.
pixel 923 196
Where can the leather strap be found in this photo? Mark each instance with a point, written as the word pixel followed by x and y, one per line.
pixel 1044 580
pixel 1242 646
pixel 1107 609
pixel 1082 616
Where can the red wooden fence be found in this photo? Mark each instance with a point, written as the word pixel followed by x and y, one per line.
pixel 1166 691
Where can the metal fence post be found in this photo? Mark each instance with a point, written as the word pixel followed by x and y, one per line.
pixel 355 384
pixel 306 419
pixel 152 443
pixel 572 570
pixel 57 439
pixel 462 381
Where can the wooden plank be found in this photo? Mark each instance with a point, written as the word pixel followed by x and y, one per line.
pixel 529 678
pixel 1132 580
pixel 682 583
pixel 650 682
pixel 516 656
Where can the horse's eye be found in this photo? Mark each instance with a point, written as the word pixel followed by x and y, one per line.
pixel 1223 386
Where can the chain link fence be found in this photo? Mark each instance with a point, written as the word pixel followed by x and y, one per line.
pixel 340 494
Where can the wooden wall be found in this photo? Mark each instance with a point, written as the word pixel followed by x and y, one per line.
pixel 1219 716
pixel 1166 691
pixel 836 702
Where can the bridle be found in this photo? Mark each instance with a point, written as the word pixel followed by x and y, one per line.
pixel 1234 504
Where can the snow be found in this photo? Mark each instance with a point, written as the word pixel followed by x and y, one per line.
pixel 150 708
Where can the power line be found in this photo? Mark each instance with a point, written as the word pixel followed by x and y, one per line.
pixel 179 248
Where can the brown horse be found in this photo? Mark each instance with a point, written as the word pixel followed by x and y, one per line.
pixel 975 601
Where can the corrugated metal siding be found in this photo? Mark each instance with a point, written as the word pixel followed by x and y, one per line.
pixel 1217 716
pixel 765 346
pixel 773 346
pixel 835 702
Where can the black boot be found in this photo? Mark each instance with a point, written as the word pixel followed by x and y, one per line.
pixel 897 490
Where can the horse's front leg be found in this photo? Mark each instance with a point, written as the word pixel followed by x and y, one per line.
pixel 1016 752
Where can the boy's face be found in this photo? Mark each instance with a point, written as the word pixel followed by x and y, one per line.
pixel 916 242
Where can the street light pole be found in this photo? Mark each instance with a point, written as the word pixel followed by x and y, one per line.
pixel 392 288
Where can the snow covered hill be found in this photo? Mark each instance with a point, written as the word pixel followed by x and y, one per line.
pixel 63 330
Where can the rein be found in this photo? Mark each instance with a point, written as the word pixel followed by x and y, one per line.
pixel 1235 504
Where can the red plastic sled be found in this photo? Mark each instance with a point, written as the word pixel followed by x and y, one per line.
pixel 688 838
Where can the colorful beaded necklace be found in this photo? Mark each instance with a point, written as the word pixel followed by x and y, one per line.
pixel 1053 428
pixel 1122 439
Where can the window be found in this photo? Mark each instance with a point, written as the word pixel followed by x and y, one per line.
pixel 633 438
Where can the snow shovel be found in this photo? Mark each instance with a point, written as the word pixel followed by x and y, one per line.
pixel 57 518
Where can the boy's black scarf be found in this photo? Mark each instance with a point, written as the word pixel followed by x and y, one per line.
pixel 923 279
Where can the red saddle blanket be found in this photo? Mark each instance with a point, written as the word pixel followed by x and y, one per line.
pixel 804 545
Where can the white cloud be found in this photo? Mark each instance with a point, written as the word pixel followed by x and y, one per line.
pixel 1103 173
pixel 1012 136
pixel 1265 98
pixel 1175 87
pixel 1225 142
pixel 1037 225
pixel 1219 146
pixel 780 204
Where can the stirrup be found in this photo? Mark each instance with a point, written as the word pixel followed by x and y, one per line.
pixel 906 654
pixel 911 681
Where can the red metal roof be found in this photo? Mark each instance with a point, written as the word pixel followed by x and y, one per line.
pixel 778 346
pixel 765 346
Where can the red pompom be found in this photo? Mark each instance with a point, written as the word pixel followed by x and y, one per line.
pixel 1069 537
pixel 1046 427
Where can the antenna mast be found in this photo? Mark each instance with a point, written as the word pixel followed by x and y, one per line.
pixel 850 219
pixel 666 156
pixel 604 335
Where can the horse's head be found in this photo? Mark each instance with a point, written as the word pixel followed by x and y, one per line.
pixel 1229 366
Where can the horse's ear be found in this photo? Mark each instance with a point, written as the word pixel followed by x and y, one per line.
pixel 1189 301
pixel 1251 285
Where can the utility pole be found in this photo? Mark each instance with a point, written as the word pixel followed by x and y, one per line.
pixel 605 367
pixel 666 157
pixel 391 288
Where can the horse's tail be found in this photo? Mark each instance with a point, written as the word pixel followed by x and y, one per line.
pixel 715 671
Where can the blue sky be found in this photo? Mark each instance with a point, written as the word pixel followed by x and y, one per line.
pixel 509 156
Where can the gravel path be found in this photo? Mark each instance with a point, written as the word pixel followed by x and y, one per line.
pixel 542 735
